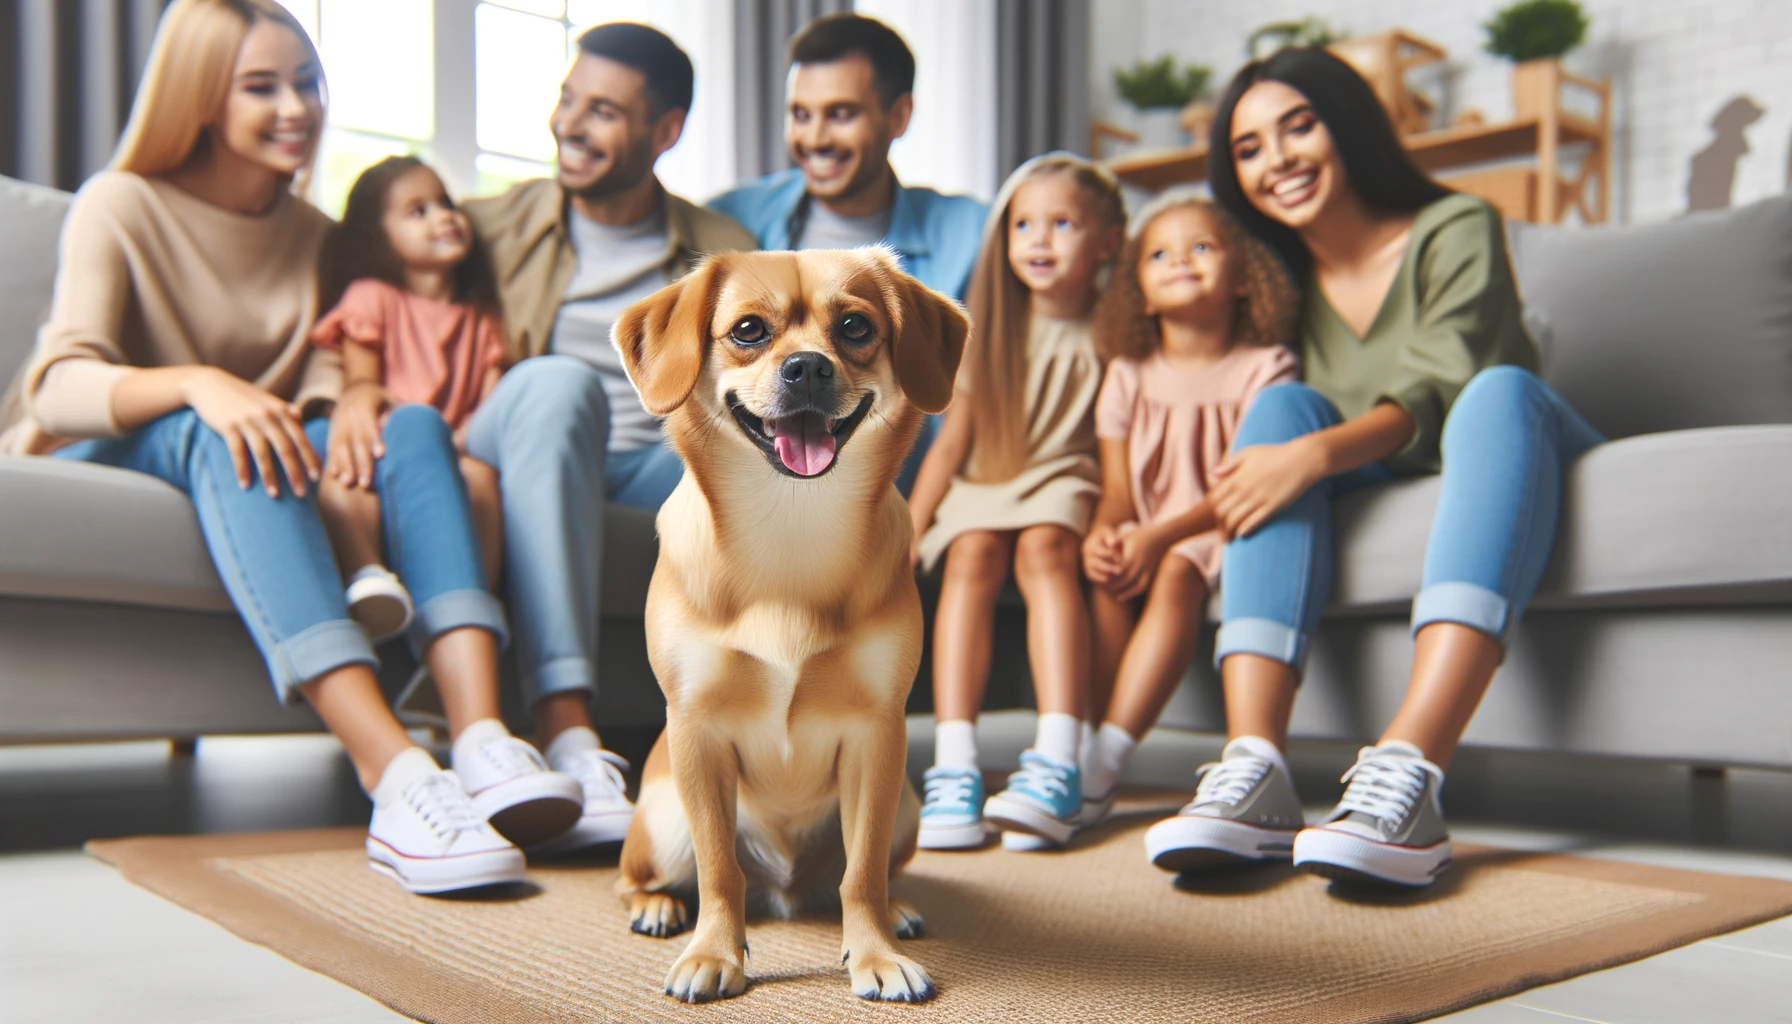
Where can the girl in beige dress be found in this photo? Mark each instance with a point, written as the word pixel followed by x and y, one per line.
pixel 1193 328
pixel 1011 483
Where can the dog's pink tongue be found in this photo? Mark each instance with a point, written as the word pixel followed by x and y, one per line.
pixel 804 443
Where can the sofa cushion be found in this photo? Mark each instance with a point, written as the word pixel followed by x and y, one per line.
pixel 78 531
pixel 1688 517
pixel 32 216
pixel 1666 326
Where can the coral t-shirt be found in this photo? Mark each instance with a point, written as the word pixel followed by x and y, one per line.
pixel 431 353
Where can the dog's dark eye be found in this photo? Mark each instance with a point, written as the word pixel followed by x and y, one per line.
pixel 750 330
pixel 856 328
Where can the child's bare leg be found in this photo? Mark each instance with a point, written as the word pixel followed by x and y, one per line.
pixel 1111 621
pixel 1048 568
pixel 351 515
pixel 1161 647
pixel 488 514
pixel 964 623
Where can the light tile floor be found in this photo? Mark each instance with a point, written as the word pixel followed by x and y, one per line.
pixel 77 943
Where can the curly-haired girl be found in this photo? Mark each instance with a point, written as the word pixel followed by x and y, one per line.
pixel 416 319
pixel 1192 328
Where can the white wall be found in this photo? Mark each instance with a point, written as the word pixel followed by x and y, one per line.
pixel 1673 65
pixel 951 142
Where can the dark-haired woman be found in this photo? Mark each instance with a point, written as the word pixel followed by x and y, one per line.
pixel 1415 361
pixel 176 348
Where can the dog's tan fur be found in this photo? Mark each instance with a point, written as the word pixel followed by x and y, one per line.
pixel 782 620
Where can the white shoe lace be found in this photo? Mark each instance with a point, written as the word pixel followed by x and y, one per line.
pixel 1041 776
pixel 1227 782
pixel 951 789
pixel 1384 788
pixel 439 800
pixel 600 774
pixel 513 757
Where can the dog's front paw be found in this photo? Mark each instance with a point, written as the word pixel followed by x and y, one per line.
pixel 658 914
pixel 889 977
pixel 703 975
pixel 905 920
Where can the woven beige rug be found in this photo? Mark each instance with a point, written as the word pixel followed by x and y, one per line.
pixel 1092 934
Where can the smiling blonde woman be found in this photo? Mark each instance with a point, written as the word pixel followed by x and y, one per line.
pixel 176 347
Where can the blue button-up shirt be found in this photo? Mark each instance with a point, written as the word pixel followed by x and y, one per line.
pixel 936 235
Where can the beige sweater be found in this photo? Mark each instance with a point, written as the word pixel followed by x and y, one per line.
pixel 151 275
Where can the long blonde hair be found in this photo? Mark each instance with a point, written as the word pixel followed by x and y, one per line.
pixel 996 355
pixel 187 79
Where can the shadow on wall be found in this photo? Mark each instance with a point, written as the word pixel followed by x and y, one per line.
pixel 1713 171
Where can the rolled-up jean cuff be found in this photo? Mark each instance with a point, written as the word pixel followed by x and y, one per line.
pixel 1263 637
pixel 312 653
pixel 458 609
pixel 1463 603
pixel 562 675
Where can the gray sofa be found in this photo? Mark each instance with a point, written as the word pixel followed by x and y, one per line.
pixel 113 624
pixel 1663 630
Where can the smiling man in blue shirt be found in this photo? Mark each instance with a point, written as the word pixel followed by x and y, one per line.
pixel 849 97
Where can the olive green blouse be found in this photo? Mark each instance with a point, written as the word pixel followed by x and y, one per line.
pixel 1452 312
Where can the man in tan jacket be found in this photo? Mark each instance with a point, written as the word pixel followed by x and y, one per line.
pixel 565 428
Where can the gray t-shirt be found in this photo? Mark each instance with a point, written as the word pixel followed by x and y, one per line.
pixel 825 229
pixel 618 266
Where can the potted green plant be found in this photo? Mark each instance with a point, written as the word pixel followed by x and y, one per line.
pixel 1279 35
pixel 1533 35
pixel 1158 90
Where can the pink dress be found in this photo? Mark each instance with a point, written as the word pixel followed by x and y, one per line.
pixel 1178 424
pixel 431 353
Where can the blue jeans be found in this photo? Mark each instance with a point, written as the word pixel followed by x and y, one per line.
pixel 546 429
pixel 1506 443
pixel 275 560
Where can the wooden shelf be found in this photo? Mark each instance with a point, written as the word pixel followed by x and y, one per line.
pixel 1437 150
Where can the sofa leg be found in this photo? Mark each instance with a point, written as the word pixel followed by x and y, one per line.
pixel 188 747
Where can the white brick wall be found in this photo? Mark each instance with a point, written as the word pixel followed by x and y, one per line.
pixel 1673 65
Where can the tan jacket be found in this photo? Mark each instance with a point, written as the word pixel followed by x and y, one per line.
pixel 525 237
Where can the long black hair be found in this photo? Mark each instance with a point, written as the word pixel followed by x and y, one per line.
pixel 1376 165
pixel 357 247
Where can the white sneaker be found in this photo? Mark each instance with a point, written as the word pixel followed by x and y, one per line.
pixel 379 602
pixel 607 810
pixel 426 836
pixel 512 787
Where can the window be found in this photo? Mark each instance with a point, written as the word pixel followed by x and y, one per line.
pixel 470 86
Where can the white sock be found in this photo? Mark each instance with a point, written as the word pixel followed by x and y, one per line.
pixel 955 745
pixel 1057 736
pixel 475 736
pixel 1106 760
pixel 400 771
pixel 1261 747
pixel 571 742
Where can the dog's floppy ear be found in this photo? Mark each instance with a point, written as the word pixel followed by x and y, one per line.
pixel 930 335
pixel 663 338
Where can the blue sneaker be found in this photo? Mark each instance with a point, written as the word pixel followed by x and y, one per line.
pixel 1044 798
pixel 952 810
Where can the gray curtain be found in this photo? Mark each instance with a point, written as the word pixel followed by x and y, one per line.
pixel 68 71
pixel 762 32
pixel 1042 79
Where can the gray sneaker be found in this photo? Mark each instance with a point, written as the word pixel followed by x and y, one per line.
pixel 1389 828
pixel 1244 812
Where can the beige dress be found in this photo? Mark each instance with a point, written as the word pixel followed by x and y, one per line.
pixel 1062 479
pixel 1178 424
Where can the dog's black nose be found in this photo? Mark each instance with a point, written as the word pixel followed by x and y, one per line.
pixel 812 367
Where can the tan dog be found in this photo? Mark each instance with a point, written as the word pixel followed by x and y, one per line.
pixel 783 621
